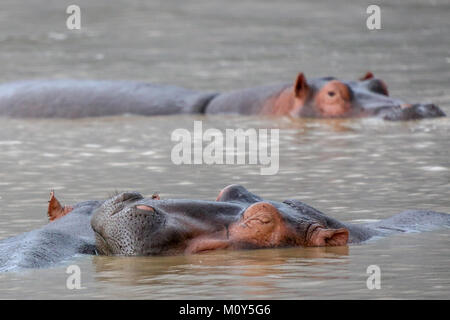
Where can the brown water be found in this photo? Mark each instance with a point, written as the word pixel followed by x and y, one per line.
pixel 351 169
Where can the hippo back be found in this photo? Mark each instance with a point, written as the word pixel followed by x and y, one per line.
pixel 246 101
pixel 79 98
pixel 413 221
pixel 52 243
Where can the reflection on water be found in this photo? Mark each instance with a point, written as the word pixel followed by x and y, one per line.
pixel 257 273
pixel 261 263
pixel 351 169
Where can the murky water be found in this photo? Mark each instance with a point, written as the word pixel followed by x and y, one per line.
pixel 350 169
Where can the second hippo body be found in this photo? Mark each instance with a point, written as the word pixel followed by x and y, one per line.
pixel 317 98
pixel 80 99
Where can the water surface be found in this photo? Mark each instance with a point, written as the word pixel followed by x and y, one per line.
pixel 350 169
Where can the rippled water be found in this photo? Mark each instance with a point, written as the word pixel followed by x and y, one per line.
pixel 350 169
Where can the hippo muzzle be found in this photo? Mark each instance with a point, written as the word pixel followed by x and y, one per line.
pixel 372 96
pixel 411 112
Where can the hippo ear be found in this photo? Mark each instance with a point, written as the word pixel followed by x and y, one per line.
pixel 55 209
pixel 367 76
pixel 329 237
pixel 238 193
pixel 301 86
pixel 155 196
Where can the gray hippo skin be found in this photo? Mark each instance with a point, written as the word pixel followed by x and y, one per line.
pixel 55 242
pixel 79 99
pixel 128 224
pixel 317 98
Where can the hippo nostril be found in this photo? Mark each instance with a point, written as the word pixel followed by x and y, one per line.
pixel 428 110
pixel 411 112
pixel 128 196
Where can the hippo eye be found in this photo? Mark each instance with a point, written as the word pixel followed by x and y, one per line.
pixel 331 93
pixel 262 218
pixel 265 219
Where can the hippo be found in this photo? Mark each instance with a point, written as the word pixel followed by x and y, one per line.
pixel 131 225
pixel 128 224
pixel 325 97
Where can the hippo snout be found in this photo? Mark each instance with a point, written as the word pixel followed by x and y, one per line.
pixel 412 112
pixel 428 110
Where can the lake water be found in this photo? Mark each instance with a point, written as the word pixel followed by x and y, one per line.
pixel 350 169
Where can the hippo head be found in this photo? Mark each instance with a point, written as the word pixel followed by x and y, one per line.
pixel 333 98
pixel 129 224
pixel 265 225
pixel 280 224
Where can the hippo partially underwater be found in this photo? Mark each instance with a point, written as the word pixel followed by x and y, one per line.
pixel 316 98
pixel 129 224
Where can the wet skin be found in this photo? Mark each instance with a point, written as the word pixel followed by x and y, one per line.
pixel 326 97
pixel 67 236
pixel 314 98
pixel 128 224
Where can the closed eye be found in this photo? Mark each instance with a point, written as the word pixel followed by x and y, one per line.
pixel 262 218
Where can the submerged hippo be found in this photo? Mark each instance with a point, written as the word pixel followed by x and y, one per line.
pixel 317 98
pixel 55 242
pixel 129 224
